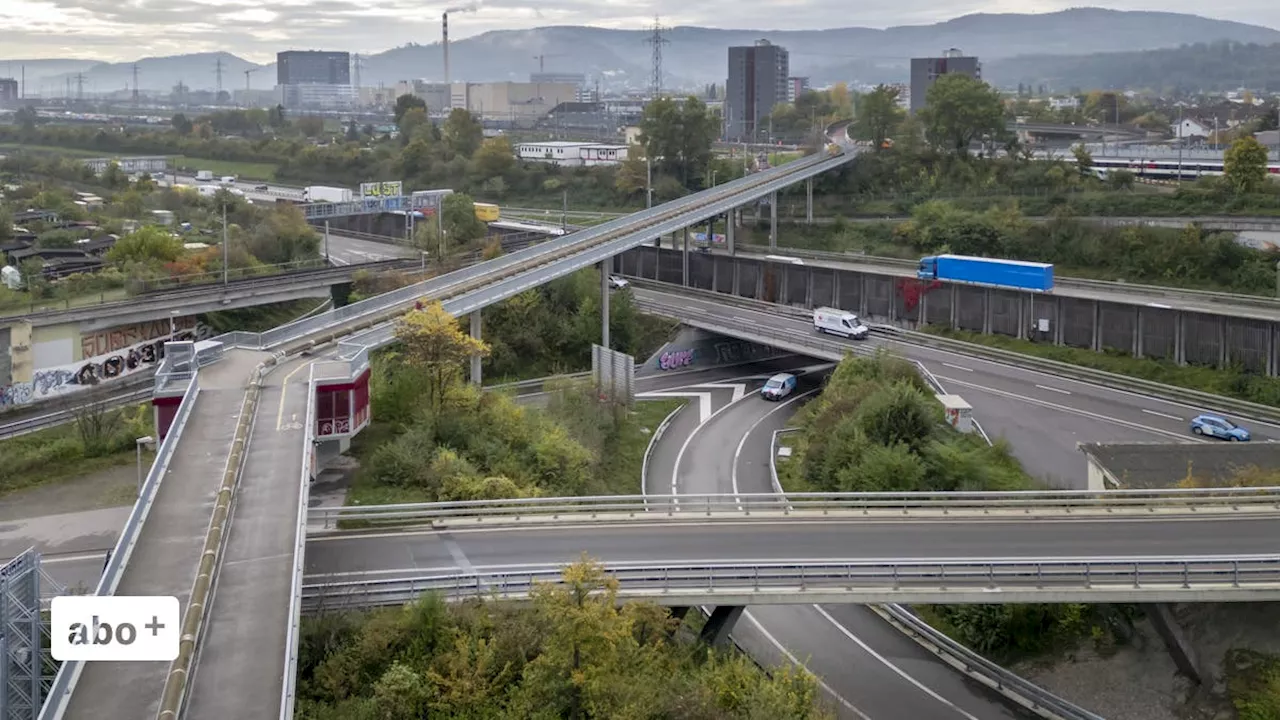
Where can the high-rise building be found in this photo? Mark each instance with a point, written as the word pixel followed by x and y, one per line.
pixel 314 78
pixel 924 71
pixel 758 80
pixel 796 86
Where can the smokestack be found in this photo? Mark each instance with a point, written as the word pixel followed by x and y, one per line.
pixel 444 19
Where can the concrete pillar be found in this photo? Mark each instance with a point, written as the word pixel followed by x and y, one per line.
pixel 1179 338
pixel 729 228
pixel 604 303
pixel 773 220
pixel 986 312
pixel 1138 327
pixel 1166 625
pixel 475 359
pixel 1271 349
pixel 1096 342
pixel 1224 357
pixel 922 310
pixel 720 624
pixel 1022 314
pixel 1057 322
pixel 684 260
pixel 955 306
pixel 808 201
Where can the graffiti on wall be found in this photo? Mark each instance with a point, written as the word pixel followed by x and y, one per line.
pixel 126 336
pixel 675 359
pixel 121 362
pixel 732 351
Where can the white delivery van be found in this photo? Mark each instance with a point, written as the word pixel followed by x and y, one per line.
pixel 228 180
pixel 204 175
pixel 839 322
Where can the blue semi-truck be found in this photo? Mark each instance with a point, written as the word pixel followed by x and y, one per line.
pixel 1036 277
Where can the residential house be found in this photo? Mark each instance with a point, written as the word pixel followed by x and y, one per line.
pixel 1191 128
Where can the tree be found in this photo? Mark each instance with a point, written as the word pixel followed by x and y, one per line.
pixel 431 341
pixel 181 124
pixel 878 115
pixel 146 245
pixel 462 133
pixel 353 131
pixel 26 118
pixel 679 138
pixel 114 177
pixel 494 158
pixel 6 223
pixel 284 236
pixel 310 126
pixel 1084 161
pixel 959 110
pixel 461 226
pixel 408 102
pixel 1245 165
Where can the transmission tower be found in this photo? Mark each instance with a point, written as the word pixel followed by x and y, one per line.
pixel 657 40
pixel 135 84
pixel 218 70
pixel 79 86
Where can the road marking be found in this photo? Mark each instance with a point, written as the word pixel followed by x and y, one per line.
pixel 794 661
pixel 957 367
pixel 1054 389
pixel 1163 415
pixel 1074 411
pixel 284 394
pixel 739 389
pixel 897 670
pixel 733 472
pixel 455 551
pixel 79 557
pixel 675 472
pixel 704 401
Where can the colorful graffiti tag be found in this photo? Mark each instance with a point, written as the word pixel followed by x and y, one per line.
pixel 675 359
pixel 65 379
pixel 126 336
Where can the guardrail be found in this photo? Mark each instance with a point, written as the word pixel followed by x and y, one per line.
pixel 1016 688
pixel 535 386
pixel 288 691
pixel 697 507
pixel 800 340
pixel 64 682
pixel 1152 292
pixel 1111 579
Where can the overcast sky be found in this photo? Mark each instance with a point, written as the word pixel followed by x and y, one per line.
pixel 123 30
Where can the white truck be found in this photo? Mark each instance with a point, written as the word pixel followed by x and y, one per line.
pixel 204 175
pixel 839 322
pixel 324 193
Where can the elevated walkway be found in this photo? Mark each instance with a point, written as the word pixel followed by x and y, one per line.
pixel 168 551
pixel 250 606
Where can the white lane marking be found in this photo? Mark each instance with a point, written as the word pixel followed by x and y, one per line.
pixel 1074 411
pixel 957 367
pixel 739 389
pixel 704 401
pixel 1163 415
pixel 1054 389
pixel 733 473
pixel 675 471
pixel 794 661
pixel 93 555
pixel 897 670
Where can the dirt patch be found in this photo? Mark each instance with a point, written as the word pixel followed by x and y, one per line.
pixel 112 487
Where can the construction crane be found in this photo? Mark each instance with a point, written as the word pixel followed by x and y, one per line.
pixel 542 60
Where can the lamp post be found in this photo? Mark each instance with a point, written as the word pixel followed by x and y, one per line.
pixel 139 443
pixel 173 324
pixel 225 251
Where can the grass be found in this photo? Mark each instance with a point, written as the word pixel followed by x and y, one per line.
pixel 1234 383
pixel 57 454
pixel 15 302
pixel 1253 684
pixel 246 170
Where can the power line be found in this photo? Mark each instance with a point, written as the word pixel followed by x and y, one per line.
pixel 657 40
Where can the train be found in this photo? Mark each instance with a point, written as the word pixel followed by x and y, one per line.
pixel 1165 168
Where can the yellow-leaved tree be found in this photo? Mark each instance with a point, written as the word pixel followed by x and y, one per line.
pixel 431 340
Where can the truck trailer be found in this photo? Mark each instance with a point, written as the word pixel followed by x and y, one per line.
pixel 1036 277
pixel 326 194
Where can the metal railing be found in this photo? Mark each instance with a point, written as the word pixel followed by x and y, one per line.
pixel 1105 579
pixel 69 673
pixel 699 505
pixel 287 692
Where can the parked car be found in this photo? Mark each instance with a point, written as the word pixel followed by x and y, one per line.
pixel 261 188
pixel 1219 427
pixel 778 386
pixel 617 283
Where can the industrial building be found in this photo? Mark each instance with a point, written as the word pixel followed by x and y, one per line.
pixel 435 95
pixel 571 153
pixel 314 79
pixel 510 103
pixel 758 80
pixel 10 93
pixel 924 71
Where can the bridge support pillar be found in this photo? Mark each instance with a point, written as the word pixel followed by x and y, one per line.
pixel 475 359
pixel 1166 625
pixel 808 201
pixel 604 303
pixel 730 224
pixel 720 624
pixel 684 260
pixel 773 220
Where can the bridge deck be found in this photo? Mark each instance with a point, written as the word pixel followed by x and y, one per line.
pixel 165 558
pixel 240 665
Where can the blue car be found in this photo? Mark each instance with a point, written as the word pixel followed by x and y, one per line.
pixel 1219 427
pixel 778 387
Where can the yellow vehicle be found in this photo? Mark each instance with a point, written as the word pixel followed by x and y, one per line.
pixel 487 213
pixel 833 149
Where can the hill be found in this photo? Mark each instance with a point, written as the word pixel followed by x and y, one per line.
pixel 620 59
pixel 1201 67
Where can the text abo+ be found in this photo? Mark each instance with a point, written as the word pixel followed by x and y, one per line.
pixel 115 628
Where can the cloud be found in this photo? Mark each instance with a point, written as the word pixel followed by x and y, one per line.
pixel 121 30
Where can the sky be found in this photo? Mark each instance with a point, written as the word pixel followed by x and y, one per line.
pixel 126 30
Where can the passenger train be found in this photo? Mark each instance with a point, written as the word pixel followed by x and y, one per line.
pixel 1191 168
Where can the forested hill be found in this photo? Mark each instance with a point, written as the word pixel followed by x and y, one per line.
pixel 1201 67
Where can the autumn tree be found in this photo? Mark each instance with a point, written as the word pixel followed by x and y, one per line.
pixel 462 133
pixel 494 158
pixel 878 115
pixel 146 245
pixel 430 340
pixel 1245 165
pixel 959 110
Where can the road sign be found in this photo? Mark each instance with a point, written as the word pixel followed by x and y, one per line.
pixel 381 189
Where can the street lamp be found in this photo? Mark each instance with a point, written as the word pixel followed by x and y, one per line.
pixel 173 325
pixel 149 443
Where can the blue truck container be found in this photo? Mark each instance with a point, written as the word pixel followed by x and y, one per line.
pixel 1036 277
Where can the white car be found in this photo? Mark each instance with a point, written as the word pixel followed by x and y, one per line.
pixel 778 386
pixel 617 283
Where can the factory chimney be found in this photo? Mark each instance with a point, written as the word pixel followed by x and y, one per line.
pixel 444 19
